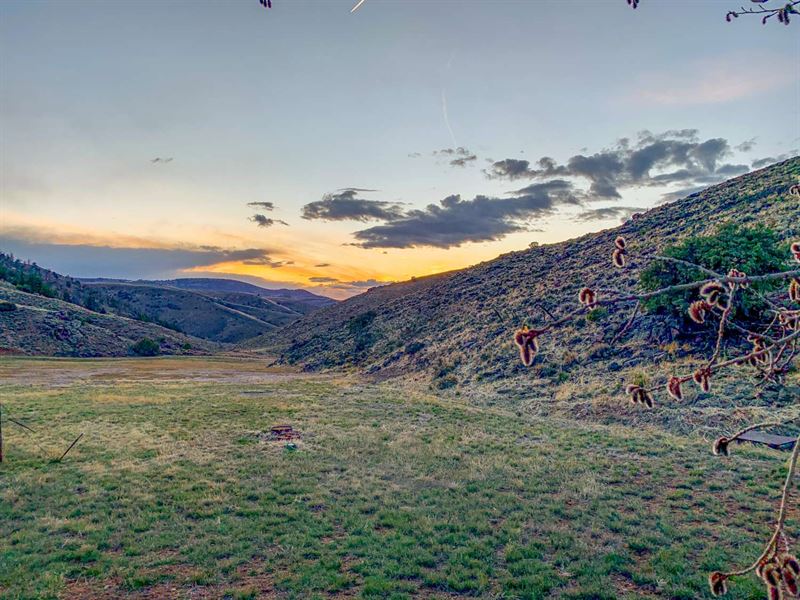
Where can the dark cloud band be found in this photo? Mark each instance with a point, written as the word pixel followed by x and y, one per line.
pixel 131 263
pixel 454 221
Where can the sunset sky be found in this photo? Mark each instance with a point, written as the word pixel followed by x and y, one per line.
pixel 304 146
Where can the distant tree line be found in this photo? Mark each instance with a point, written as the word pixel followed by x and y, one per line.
pixel 25 278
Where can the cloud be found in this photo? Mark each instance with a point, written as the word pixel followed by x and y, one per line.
pixel 746 146
pixel 769 160
pixel 352 286
pixel 323 265
pixel 82 260
pixel 714 81
pixel 462 161
pixel 345 205
pixel 727 170
pixel 668 197
pixel 414 155
pixel 262 205
pixel 455 221
pixel 509 168
pixel 336 287
pixel 459 156
pixel 263 221
pixel 363 284
pixel 266 261
pixel 674 156
pixel 605 214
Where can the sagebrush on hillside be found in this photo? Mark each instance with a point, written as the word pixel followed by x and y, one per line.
pixel 774 346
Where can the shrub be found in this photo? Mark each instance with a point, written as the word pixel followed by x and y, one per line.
pixel 719 273
pixel 597 314
pixel 414 347
pixel 146 347
pixel 7 306
pixel 359 327
pixel 32 283
pixel 753 250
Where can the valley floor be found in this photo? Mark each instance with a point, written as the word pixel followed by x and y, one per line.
pixel 176 490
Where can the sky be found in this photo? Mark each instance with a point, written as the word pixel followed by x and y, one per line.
pixel 307 147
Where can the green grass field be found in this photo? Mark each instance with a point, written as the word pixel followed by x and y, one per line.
pixel 175 491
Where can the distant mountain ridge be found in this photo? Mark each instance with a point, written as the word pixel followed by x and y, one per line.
pixel 218 310
pixel 213 284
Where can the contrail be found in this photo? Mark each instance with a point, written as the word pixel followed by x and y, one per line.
pixel 447 119
pixel 357 6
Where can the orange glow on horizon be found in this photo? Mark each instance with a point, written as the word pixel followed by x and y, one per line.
pixel 315 259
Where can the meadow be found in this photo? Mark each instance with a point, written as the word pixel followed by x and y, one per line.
pixel 177 490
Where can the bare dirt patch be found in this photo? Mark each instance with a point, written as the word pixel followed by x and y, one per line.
pixel 250 581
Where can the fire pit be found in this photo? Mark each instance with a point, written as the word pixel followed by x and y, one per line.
pixel 283 432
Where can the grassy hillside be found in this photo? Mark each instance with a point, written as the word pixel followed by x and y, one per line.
pixel 456 327
pixel 231 318
pixel 301 301
pixel 48 326
pixel 177 490
pixel 219 310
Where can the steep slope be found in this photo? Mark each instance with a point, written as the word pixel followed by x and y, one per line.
pixel 48 326
pixel 457 326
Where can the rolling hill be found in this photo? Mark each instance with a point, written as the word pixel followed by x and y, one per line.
pixel 298 301
pixel 301 301
pixel 456 327
pixel 240 317
pixel 219 310
pixel 39 325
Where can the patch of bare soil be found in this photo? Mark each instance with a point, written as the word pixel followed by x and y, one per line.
pixel 249 580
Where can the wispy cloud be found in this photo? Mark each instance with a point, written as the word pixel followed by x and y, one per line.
pixel 714 81
pixel 349 287
pixel 262 205
pixel 264 221
pixel 447 118
pixel 747 145
pixel 770 160
pixel 266 261
pixel 608 213
pixel 672 196
pixel 457 157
